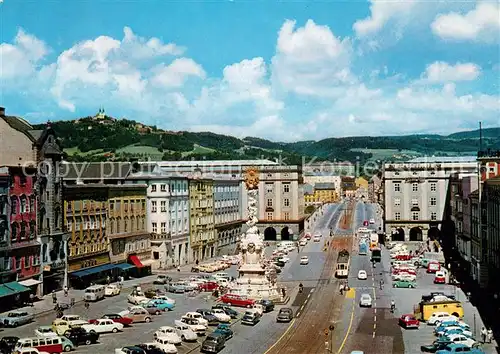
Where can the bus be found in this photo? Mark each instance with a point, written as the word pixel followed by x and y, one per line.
pixel 376 254
pixel 363 248
pixel 373 240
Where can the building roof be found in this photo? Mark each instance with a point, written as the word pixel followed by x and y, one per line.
pixel 22 126
pixel 212 163
pixel 324 186
pixel 95 170
pixel 443 159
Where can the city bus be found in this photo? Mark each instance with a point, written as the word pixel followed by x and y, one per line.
pixel 373 240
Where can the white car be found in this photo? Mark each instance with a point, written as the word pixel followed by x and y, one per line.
pixel 285 259
pixel 69 318
pixel 168 333
pixel 304 260
pixel 461 339
pixel 438 317
pixel 372 221
pixel 45 331
pixel 195 325
pixel 464 331
pixel 185 332
pixel 365 300
pixel 221 315
pixel 165 345
pixel 103 325
pixel 197 316
pixel 362 275
pixel 318 235
pixel 316 239
pixel 303 242
pixel 112 290
pixel 258 308
pixel 136 299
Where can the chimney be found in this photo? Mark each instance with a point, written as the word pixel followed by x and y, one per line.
pixel 2 111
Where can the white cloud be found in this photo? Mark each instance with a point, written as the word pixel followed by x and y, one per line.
pixel 176 73
pixel 480 24
pixel 311 60
pixel 441 72
pixel 23 57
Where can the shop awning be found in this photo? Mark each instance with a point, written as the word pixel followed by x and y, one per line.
pixel 12 288
pixel 30 282
pixel 124 266
pixel 148 262
pixel 136 261
pixel 94 270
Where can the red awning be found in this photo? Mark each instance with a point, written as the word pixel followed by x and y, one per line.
pixel 136 261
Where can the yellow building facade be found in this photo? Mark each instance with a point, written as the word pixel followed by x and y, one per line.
pixel 85 215
pixel 201 219
pixel 362 183
pixel 322 193
pixel 126 224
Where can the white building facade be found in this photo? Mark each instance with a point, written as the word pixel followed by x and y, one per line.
pixel 167 218
pixel 415 195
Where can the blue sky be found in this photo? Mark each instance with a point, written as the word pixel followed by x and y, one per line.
pixel 279 70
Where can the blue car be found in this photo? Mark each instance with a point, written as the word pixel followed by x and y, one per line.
pixel 442 328
pixel 225 330
pixel 459 348
pixel 162 304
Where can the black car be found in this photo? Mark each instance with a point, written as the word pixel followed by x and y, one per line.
pixel 133 350
pixel 227 309
pixel 280 263
pixel 209 316
pixel 214 343
pixel 434 347
pixel 7 344
pixel 79 335
pixel 268 305
pixel 150 348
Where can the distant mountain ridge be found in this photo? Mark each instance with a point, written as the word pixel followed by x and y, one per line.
pixel 105 138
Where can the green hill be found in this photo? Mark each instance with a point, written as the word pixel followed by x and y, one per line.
pixel 121 139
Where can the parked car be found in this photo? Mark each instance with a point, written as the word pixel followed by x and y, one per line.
pixel 136 297
pixel 7 344
pixel 194 324
pixel 177 288
pixel 16 318
pixel 457 339
pixel 459 348
pixel 438 317
pixel 268 305
pixel 112 290
pixel 403 283
pixel 304 260
pixel 443 331
pixel 137 314
pixel 208 316
pixel 185 332
pixel 197 316
pixel 237 300
pixel 79 335
pixel 225 330
pixel 465 332
pixel 168 333
pixel 165 298
pixel 103 325
pixel 214 343
pixel 162 279
pixel 228 310
pixel 221 315
pixel 125 321
pixel 251 318
pixel 131 349
pixel 150 348
pixel 450 325
pixel 285 314
pixel 162 304
pixel 165 345
pixel 365 300
pixel 208 286
pixel 152 308
pixel 45 331
pixel 434 347
pixel 409 321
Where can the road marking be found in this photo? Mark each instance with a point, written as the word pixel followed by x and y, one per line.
pixel 374 326
pixel 282 336
pixel 375 311
pixel 348 329
pixel 375 318
pixel 373 336
pixel 298 313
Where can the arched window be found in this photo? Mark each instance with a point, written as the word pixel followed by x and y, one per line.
pixel 125 224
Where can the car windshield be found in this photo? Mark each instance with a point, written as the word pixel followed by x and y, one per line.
pixel 366 297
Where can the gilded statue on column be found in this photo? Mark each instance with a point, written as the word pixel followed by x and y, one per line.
pixel 252 178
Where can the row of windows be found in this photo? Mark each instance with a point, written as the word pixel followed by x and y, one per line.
pixel 176 226
pixel 222 189
pixel 270 187
pixel 415 216
pixel 286 202
pixel 137 205
pixel 415 201
pixel 18 263
pixel 164 205
pixel 270 216
pixel 23 231
pixel 120 225
pixel 22 204
pixel 93 247
pixel 415 187
pixel 171 187
pixel 226 203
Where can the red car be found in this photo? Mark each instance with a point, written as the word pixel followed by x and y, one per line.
pixel 433 267
pixel 409 321
pixel 126 321
pixel 403 257
pixel 237 300
pixel 404 270
pixel 208 286
pixel 308 237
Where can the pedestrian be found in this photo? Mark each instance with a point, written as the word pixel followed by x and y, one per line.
pixel 54 297
pixel 490 335
pixel 32 299
pixel 197 262
pixel 65 291
pixel 484 333
pixel 108 279
pixel 87 305
pixel 341 289
pixel 283 292
pixel 178 268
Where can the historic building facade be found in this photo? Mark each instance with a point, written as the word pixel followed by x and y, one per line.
pixel 491 195
pixel 202 222
pixel 227 213
pixel 321 193
pixel 415 195
pixel 167 217
pixel 313 178
pixel 6 272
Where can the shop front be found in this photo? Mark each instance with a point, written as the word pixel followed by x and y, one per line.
pixel 13 295
pixel 54 276
pixel 142 263
pixel 91 269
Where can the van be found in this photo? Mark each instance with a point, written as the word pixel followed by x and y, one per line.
pixel 44 344
pixel 94 293
pixel 426 309
pixel 433 267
